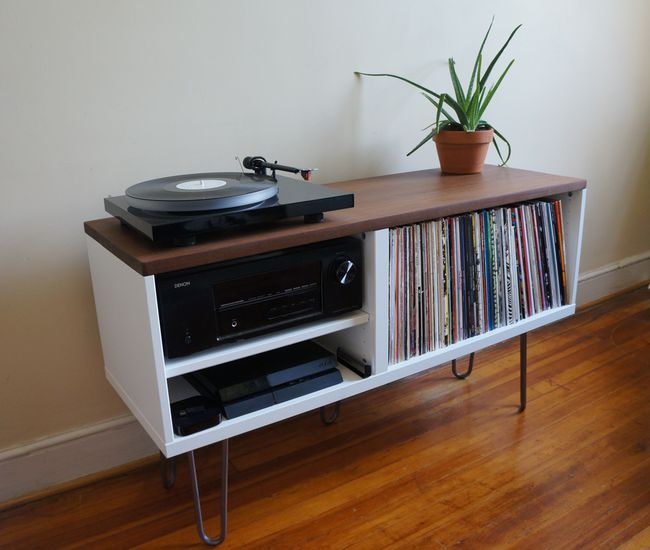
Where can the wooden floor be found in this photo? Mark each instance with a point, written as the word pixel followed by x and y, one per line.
pixel 428 462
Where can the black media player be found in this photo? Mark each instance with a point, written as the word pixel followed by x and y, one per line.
pixel 256 382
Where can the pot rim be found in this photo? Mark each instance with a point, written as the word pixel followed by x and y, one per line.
pixel 462 137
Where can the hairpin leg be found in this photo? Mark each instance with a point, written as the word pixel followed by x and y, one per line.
pixel 332 418
pixel 463 375
pixel 167 471
pixel 224 497
pixel 523 345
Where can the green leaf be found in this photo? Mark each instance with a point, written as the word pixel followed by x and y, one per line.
pixel 401 78
pixel 444 124
pixel 496 146
pixel 451 102
pixel 497 56
pixel 476 71
pixel 468 106
pixel 429 136
pixel 438 127
pixel 442 100
pixel 472 111
pixel 458 89
pixel 460 112
pixel 493 89
pixel 500 135
pixel 436 103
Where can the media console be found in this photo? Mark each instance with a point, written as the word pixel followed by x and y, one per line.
pixel 125 267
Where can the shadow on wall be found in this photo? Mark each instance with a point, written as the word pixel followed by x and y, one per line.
pixel 637 201
pixel 352 156
pixel 52 377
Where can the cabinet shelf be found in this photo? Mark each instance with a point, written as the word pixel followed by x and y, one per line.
pixel 480 341
pixel 260 344
pixel 269 415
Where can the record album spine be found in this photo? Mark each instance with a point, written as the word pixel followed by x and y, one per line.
pixel 457 277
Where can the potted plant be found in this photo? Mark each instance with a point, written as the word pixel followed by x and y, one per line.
pixel 462 136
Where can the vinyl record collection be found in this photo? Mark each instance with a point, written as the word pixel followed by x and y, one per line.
pixel 457 277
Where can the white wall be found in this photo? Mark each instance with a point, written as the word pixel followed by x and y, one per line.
pixel 98 95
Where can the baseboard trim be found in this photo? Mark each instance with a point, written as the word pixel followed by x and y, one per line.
pixel 611 279
pixel 59 459
pixel 51 441
pixel 78 483
pixel 589 305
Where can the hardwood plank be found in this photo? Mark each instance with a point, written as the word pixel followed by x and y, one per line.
pixel 443 476
pixel 641 540
pixel 425 462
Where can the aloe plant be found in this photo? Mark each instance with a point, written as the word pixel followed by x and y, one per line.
pixel 469 104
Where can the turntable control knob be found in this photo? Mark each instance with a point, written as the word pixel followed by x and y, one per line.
pixel 345 271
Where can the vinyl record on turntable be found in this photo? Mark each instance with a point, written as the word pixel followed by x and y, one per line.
pixel 200 192
pixel 177 209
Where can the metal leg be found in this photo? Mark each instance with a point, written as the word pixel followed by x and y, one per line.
pixel 332 418
pixel 523 345
pixel 224 497
pixel 167 471
pixel 463 375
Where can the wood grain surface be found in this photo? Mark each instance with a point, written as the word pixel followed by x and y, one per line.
pixel 380 202
pixel 427 462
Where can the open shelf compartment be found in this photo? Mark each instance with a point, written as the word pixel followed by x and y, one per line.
pixel 268 415
pixel 260 344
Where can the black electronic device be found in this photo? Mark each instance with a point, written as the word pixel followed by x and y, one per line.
pixel 262 380
pixel 363 369
pixel 191 411
pixel 204 307
pixel 176 209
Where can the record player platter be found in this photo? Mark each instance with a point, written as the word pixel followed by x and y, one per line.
pixel 200 192
pixel 176 209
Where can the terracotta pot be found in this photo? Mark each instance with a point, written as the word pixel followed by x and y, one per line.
pixel 462 152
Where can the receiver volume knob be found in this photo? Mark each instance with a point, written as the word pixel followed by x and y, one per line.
pixel 345 271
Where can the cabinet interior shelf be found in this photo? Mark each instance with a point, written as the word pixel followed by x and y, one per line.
pixel 269 415
pixel 260 344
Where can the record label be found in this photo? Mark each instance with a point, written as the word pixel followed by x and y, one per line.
pixel 200 185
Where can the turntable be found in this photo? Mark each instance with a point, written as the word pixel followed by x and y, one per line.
pixel 176 209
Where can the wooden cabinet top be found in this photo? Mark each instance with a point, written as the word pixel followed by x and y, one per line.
pixel 380 202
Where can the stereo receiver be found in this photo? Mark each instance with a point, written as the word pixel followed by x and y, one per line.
pixel 204 307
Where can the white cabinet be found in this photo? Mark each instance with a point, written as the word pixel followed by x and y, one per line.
pixel 138 370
